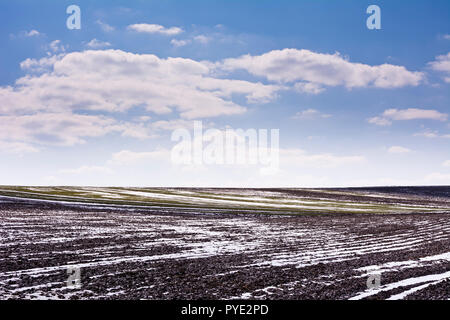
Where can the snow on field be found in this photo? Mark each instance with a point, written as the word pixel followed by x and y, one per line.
pixel 233 199
pixel 429 279
pixel 163 252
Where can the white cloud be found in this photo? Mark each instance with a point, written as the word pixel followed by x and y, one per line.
pixel 26 34
pixel 431 134
pixel 41 65
pixel 137 131
pixel 114 80
pixel 446 163
pixel 407 114
pixel 48 106
pixel 413 113
pixel 442 64
pixel 104 26
pixel 144 118
pixel 155 28
pixel 56 46
pixel 183 42
pixel 62 129
pixel 179 43
pixel 16 147
pixel 32 33
pixel 202 39
pixel 398 149
pixel 20 132
pixel 292 65
pixel 87 169
pixel 95 44
pixel 308 87
pixel 174 124
pixel 310 114
pixel 380 121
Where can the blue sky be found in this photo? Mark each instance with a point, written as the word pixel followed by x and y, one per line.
pixel 97 106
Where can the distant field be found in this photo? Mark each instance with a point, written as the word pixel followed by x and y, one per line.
pixel 288 201
pixel 170 243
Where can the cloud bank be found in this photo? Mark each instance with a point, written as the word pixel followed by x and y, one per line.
pixel 312 71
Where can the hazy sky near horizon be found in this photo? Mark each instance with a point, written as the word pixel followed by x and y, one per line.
pixel 98 105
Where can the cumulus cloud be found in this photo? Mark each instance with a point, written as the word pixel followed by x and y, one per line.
pixel 318 69
pixel 40 65
pixel 56 46
pixel 50 105
pixel 308 87
pixel 446 163
pixel 442 64
pixel 116 81
pixel 24 133
pixel 407 114
pixel 62 129
pixel 55 102
pixel 32 33
pixel 183 42
pixel 155 28
pixel 398 149
pixel 104 26
pixel 179 43
pixel 95 44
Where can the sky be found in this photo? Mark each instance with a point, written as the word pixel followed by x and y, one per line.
pixel 99 105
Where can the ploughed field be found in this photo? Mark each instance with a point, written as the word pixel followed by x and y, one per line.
pixel 166 243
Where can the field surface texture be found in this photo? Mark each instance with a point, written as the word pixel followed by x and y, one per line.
pixel 168 243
